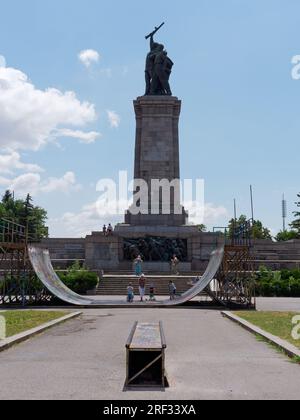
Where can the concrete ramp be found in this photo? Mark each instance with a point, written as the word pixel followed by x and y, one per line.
pixel 41 262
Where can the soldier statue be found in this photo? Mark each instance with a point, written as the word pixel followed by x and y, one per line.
pixel 158 68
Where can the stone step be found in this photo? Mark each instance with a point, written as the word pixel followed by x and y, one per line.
pixel 117 285
pixel 152 273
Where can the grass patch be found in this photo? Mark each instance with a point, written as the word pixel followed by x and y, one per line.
pixel 20 321
pixel 276 323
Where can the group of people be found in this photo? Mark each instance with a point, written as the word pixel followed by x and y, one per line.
pixel 142 290
pixel 138 270
pixel 108 230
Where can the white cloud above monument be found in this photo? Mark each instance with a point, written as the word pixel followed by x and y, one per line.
pixel 89 57
pixel 30 118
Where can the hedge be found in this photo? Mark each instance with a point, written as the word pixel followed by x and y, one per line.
pixel 284 283
pixel 79 279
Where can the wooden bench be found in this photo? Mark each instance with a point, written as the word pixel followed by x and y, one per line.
pixel 145 353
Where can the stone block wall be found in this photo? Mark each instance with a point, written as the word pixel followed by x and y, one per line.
pixel 64 252
pixel 99 252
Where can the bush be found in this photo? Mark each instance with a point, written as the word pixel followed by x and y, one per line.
pixel 78 279
pixel 285 283
pixel 284 236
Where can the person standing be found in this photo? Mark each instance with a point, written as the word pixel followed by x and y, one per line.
pixel 142 287
pixel 172 290
pixel 110 230
pixel 138 266
pixel 174 265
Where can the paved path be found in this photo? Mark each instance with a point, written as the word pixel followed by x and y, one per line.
pixel 208 357
pixel 279 304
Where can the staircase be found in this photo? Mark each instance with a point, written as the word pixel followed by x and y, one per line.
pixel 277 256
pixel 116 284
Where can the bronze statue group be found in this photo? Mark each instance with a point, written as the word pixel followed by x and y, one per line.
pixel 158 70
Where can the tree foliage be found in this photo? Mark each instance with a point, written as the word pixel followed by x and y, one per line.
pixel 202 228
pixel 258 230
pixel 25 213
pixel 286 235
pixel 284 283
pixel 296 223
pixel 78 279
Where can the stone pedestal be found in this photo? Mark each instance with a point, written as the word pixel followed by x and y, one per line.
pixel 107 252
pixel 157 156
pixel 103 252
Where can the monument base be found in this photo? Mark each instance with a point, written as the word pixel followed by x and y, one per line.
pixel 157 159
pixel 110 253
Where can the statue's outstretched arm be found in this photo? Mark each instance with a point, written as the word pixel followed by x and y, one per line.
pixel 151 43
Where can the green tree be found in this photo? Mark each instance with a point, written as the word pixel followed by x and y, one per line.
pixel 8 196
pixel 202 228
pixel 296 223
pixel 235 224
pixel 286 235
pixel 25 213
pixel 258 231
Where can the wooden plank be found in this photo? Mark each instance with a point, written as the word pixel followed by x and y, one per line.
pixel 131 335
pixel 147 337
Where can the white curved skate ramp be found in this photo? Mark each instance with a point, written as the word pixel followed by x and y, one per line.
pixel 41 262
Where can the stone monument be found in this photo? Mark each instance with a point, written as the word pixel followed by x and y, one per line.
pixel 153 232
pixel 157 158
pixel 157 143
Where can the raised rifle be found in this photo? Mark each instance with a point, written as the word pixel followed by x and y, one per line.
pixel 155 30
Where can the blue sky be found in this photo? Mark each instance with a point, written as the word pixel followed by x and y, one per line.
pixel 240 116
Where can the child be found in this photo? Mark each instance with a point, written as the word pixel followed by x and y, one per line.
pixel 172 290
pixel 130 293
pixel 152 293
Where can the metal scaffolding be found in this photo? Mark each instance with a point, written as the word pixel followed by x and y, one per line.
pixel 235 285
pixel 18 282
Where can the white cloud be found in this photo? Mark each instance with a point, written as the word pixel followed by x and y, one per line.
pixel 11 162
pixel 89 57
pixel 82 223
pixel 214 213
pixel 30 118
pixel 2 61
pixel 33 184
pixel 64 185
pixel 209 216
pixel 84 137
pixel 113 118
